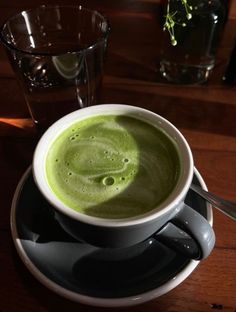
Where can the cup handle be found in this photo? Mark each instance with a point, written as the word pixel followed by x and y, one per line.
pixel 188 233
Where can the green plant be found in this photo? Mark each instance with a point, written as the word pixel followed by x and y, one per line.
pixel 175 17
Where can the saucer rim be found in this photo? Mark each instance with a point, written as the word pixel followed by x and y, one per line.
pixel 97 301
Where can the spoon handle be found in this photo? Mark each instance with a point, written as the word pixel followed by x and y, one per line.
pixel 225 206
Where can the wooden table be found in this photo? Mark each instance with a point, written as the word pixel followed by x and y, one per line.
pixel 206 115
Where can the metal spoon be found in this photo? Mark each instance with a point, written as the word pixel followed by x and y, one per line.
pixel 225 206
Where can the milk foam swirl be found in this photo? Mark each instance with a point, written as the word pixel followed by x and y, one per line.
pixel 112 167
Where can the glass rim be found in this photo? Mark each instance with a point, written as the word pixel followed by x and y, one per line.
pixel 44 6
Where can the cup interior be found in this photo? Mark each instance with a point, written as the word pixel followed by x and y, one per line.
pixel 173 200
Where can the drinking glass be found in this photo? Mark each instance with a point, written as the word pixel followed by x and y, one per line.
pixel 192 58
pixel 57 53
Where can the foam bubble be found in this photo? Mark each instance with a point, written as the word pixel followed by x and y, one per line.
pixel 108 181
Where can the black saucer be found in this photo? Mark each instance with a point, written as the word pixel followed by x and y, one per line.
pixel 88 274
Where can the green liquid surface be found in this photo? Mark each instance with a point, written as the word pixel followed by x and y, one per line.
pixel 112 166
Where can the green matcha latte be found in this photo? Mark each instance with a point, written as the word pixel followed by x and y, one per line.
pixel 112 166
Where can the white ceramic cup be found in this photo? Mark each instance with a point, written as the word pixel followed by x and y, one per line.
pixel 172 222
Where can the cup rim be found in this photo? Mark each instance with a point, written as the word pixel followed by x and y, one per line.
pixel 80 7
pixel 172 202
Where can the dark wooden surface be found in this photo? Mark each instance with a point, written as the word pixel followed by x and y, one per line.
pixel 206 114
